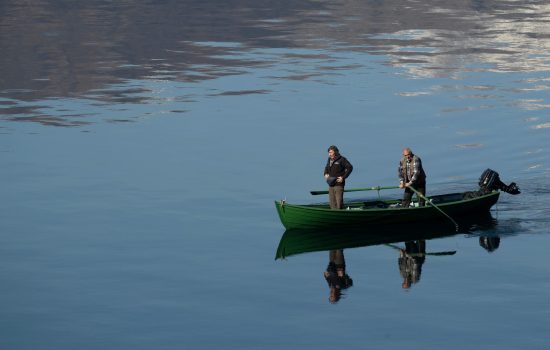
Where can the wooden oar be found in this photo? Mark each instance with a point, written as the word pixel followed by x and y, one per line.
pixel 376 188
pixel 448 252
pixel 420 195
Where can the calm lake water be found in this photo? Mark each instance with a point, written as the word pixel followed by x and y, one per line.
pixel 143 143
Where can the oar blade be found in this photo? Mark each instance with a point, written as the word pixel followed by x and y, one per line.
pixel 315 193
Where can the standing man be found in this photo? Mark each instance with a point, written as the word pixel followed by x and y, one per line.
pixel 411 173
pixel 337 170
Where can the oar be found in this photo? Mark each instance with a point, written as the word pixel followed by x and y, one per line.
pixel 448 252
pixel 420 195
pixel 375 188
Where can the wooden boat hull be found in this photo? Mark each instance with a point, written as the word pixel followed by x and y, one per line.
pixel 362 214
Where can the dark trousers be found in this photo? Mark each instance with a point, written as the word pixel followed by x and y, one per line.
pixel 336 197
pixel 407 197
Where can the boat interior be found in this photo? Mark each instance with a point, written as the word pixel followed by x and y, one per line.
pixel 396 203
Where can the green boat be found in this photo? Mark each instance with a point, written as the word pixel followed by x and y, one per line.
pixel 362 214
pixel 365 213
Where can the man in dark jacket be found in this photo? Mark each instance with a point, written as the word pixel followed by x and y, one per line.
pixel 337 170
pixel 411 174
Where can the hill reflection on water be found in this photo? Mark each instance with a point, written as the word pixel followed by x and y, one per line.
pixel 101 51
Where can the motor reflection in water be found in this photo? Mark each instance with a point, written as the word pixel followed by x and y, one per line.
pixel 490 243
pixel 409 241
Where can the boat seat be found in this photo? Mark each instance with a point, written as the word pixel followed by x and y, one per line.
pixel 373 205
pixel 453 197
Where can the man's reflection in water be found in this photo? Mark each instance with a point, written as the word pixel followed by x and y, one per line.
pixel 410 262
pixel 490 243
pixel 336 275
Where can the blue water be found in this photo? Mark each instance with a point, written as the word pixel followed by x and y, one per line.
pixel 143 144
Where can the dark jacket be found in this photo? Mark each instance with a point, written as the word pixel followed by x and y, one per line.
pixel 340 167
pixel 412 171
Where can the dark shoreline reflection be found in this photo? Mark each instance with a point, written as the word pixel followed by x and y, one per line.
pixel 56 49
pixel 51 49
pixel 409 240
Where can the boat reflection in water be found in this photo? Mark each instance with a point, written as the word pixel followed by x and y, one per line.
pixel 408 240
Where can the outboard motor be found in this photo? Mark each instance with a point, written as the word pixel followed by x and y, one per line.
pixel 489 181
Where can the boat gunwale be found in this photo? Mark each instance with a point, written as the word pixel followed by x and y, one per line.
pixel 313 206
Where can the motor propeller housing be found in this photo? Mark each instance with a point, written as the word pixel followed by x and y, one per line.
pixel 490 180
